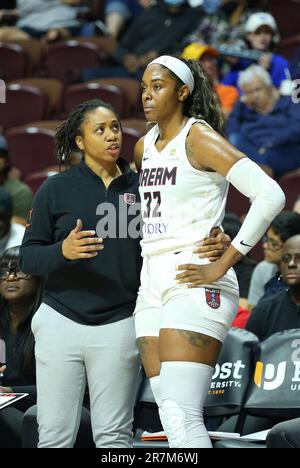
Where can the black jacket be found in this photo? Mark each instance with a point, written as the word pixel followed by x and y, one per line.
pixel 92 291
pixel 159 30
pixel 274 314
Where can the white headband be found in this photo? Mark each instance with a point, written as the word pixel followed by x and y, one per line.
pixel 178 67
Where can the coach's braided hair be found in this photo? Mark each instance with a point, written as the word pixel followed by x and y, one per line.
pixel 203 103
pixel 69 129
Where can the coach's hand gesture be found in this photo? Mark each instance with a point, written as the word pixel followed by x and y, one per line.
pixel 81 244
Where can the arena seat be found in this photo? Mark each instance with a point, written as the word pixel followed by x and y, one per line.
pixel 13 61
pixel 36 179
pixel 232 374
pixel 23 105
pixel 290 184
pixel 136 124
pixel 51 87
pixel 76 94
pixel 130 138
pixel 237 202
pixel 131 88
pixel 64 60
pixel 32 149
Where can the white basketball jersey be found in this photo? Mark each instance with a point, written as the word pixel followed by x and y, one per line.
pixel 180 204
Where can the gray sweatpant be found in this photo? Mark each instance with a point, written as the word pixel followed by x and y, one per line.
pixel 67 355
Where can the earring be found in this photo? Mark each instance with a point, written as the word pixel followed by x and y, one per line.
pixel 279 278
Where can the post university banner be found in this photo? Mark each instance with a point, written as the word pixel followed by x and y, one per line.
pixel 275 386
pixel 232 374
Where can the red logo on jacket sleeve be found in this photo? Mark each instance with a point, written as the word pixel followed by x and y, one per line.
pixel 129 198
pixel 213 297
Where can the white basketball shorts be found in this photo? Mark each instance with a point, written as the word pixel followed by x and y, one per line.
pixel 162 303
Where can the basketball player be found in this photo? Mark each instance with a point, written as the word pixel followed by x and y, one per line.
pixel 185 167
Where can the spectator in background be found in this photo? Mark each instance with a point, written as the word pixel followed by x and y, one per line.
pixel 265 279
pixel 11 234
pixel 21 194
pixel 119 12
pixel 281 311
pixel 207 56
pixel 224 21
pixel 265 125
pixel 20 298
pixel 37 18
pixel 261 35
pixel 156 30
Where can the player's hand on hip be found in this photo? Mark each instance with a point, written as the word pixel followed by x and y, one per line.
pixel 80 244
pixel 195 276
pixel 214 246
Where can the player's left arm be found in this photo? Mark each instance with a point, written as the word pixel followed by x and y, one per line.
pixel 208 150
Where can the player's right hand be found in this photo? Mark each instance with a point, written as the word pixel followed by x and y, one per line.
pixel 80 244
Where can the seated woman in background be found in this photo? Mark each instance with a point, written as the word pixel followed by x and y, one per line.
pixel 265 125
pixel 20 298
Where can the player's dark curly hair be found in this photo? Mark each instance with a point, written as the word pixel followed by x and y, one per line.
pixel 203 103
pixel 71 128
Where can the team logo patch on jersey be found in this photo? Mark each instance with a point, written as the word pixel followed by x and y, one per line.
pixel 173 152
pixel 129 198
pixel 213 297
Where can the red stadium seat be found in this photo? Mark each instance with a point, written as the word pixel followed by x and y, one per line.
pixel 131 88
pixel 236 202
pixel 51 87
pixel 64 60
pixel 136 124
pixel 290 184
pixel 36 179
pixel 130 138
pixel 24 104
pixel 77 94
pixel 13 61
pixel 31 149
